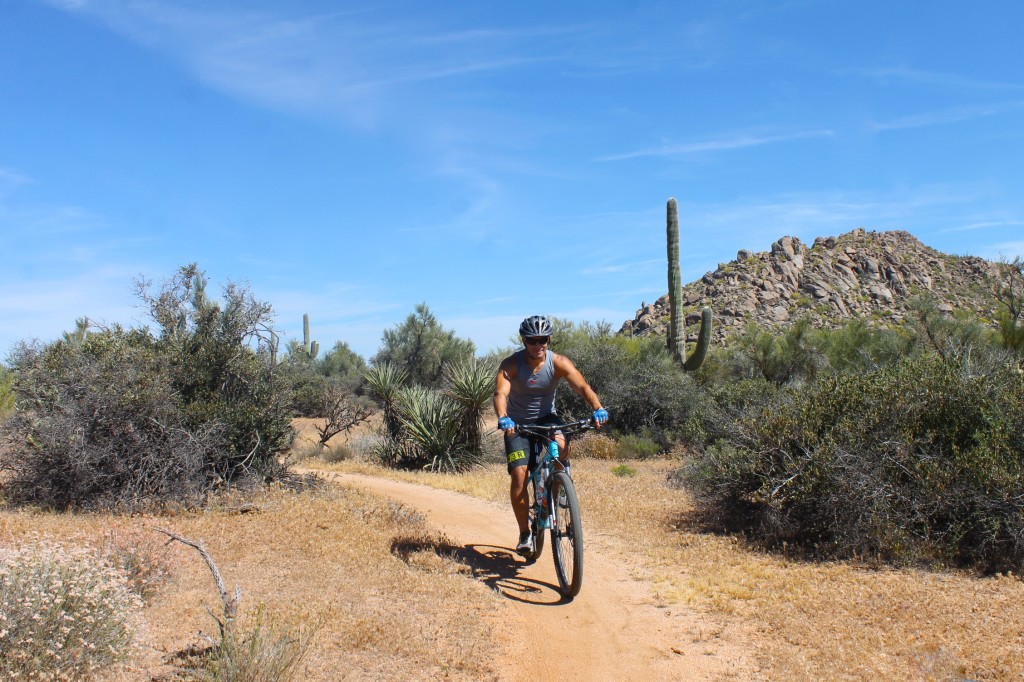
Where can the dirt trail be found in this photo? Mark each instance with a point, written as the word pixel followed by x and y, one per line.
pixel 612 631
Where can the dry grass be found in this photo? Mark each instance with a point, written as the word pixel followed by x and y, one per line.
pixel 391 606
pixel 813 621
pixel 324 558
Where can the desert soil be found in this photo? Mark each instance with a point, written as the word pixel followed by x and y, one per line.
pixel 614 630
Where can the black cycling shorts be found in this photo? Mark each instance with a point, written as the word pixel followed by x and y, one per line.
pixel 517 448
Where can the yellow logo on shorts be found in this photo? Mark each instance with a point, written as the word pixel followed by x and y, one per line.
pixel 516 456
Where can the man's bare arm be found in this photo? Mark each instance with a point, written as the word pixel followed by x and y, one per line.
pixel 565 369
pixel 502 388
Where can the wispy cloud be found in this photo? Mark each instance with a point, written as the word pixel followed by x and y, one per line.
pixel 947 116
pixel 326 64
pixel 45 307
pixel 941 79
pixel 725 143
pixel 10 178
pixel 613 268
pixel 1003 250
pixel 981 225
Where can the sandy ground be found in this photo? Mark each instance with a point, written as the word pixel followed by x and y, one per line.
pixel 614 630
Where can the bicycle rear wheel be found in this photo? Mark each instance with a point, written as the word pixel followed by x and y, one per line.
pixel 566 535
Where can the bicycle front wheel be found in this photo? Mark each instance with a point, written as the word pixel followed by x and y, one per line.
pixel 566 535
pixel 536 527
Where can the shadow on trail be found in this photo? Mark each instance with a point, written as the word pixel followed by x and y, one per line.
pixel 497 567
pixel 500 568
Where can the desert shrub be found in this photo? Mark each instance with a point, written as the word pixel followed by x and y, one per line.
pixel 365 446
pixel 780 358
pixel 100 427
pixel 637 447
pixel 266 652
pixel 433 428
pixel 145 562
pixel 624 471
pixel 595 445
pixel 6 392
pixel 859 347
pixel 915 462
pixel 304 386
pixel 644 389
pixel 64 613
pixel 120 417
pixel 720 404
pixel 336 453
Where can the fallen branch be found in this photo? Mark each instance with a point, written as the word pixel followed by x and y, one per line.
pixel 227 625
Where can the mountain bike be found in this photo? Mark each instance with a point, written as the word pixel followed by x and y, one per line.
pixel 554 505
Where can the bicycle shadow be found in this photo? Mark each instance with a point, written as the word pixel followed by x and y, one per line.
pixel 500 569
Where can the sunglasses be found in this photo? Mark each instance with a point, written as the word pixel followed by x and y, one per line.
pixel 537 340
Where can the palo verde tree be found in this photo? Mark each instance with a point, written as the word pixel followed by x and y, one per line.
pixel 343 365
pixel 1010 295
pixel 220 363
pixel 421 346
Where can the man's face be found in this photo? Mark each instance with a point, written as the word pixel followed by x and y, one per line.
pixel 536 346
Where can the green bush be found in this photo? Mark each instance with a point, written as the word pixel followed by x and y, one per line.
pixel 920 461
pixel 644 389
pixel 64 613
pixel 624 471
pixel 638 447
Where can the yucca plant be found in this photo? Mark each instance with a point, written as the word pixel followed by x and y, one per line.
pixel 385 380
pixel 471 384
pixel 432 423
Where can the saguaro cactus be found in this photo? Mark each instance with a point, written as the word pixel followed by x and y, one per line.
pixel 311 347
pixel 677 321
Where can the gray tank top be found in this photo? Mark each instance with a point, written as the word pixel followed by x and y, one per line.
pixel 533 394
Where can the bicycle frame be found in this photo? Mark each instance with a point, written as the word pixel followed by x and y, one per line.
pixel 542 474
pixel 563 520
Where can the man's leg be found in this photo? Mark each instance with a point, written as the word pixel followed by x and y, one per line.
pixel 520 498
pixel 563 450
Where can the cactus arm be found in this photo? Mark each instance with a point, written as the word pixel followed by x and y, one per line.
pixel 677 321
pixel 696 358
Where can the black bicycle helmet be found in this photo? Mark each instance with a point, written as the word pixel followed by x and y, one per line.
pixel 537 325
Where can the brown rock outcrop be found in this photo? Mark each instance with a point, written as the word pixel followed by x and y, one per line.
pixel 860 273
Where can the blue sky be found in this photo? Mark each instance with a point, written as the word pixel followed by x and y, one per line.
pixel 494 160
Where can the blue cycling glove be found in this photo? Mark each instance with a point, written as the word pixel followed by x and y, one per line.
pixel 600 415
pixel 504 424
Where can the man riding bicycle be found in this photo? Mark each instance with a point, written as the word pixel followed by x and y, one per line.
pixel 525 394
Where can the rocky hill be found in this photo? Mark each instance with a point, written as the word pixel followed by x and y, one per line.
pixel 857 274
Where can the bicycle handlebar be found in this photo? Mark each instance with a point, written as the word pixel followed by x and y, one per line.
pixel 548 430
